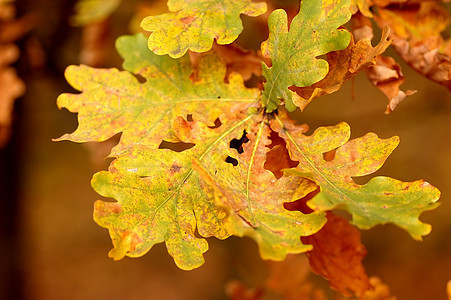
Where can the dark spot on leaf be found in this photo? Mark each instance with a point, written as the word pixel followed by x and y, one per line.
pixel 187 20
pixel 175 168
pixel 189 118
pixel 177 147
pixel 219 97
pixel 217 124
pixel 238 144
pixel 117 209
pixel 231 160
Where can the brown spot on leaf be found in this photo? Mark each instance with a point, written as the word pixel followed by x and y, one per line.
pixel 187 20
pixel 175 168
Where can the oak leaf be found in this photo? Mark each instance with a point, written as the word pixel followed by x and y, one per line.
pixel 382 200
pixel 387 76
pixel 384 73
pixel 114 101
pixel 417 37
pixel 258 197
pixel 194 24
pixel 337 256
pixel 163 195
pixel 216 184
pixel 313 32
pixel 343 66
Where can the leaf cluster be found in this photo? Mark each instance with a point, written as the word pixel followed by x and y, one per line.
pixel 202 154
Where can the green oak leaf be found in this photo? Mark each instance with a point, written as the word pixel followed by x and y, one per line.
pixel 382 200
pixel 114 101
pixel 256 198
pixel 163 196
pixel 293 53
pixel 193 24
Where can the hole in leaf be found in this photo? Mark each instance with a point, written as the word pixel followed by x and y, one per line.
pixel 177 147
pixel 217 124
pixel 238 144
pixel 189 118
pixel 140 78
pixel 232 161
pixel 330 155
pixel 301 204
pixel 278 157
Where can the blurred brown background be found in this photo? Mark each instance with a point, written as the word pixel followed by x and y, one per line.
pixel 52 249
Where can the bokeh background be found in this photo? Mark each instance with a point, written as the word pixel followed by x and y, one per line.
pixel 52 249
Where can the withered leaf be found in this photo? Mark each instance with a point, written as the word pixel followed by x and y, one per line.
pixel 337 256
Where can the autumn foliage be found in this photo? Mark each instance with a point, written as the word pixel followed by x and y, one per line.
pixel 208 147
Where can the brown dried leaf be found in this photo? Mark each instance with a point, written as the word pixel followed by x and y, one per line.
pixel 361 27
pixel 343 65
pixel 417 37
pixel 386 75
pixel 337 256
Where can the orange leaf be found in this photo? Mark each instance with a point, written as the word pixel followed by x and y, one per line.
pixel 337 256
pixel 343 65
pixel 386 75
pixel 417 37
